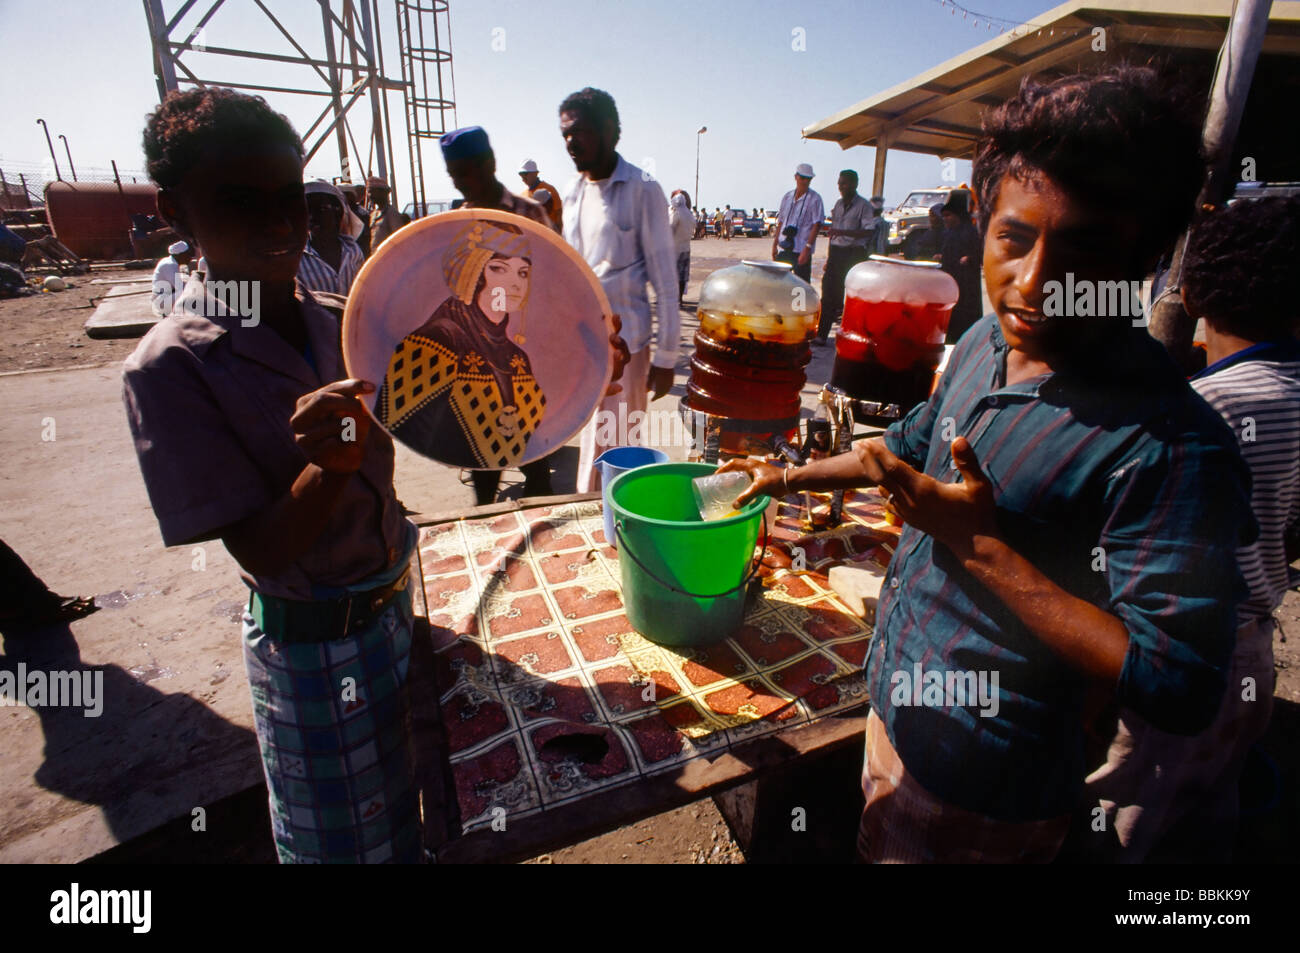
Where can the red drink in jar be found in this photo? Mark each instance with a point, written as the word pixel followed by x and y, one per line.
pixel 891 336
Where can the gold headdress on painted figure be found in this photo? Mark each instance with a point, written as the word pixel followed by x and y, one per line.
pixel 473 248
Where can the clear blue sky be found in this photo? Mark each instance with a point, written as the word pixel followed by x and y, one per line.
pixel 672 66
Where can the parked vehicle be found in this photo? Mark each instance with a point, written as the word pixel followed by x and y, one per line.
pixel 1264 190
pixel 425 208
pixel 749 225
pixel 912 217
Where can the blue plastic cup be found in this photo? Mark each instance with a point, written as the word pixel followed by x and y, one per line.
pixel 618 460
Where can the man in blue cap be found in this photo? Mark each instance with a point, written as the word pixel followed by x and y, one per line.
pixel 472 167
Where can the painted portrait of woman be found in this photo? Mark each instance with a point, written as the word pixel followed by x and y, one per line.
pixel 460 384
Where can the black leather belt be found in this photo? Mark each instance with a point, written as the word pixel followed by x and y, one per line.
pixel 326 620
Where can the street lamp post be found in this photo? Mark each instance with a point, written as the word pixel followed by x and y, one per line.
pixel 50 142
pixel 703 130
pixel 69 152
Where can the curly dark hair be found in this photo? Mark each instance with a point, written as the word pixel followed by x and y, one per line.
pixel 594 105
pixel 189 124
pixel 1122 136
pixel 1239 268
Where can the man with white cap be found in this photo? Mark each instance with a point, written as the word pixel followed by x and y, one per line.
pixel 798 223
pixel 542 191
pixel 169 278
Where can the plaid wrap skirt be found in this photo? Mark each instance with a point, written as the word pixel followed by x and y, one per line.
pixel 332 722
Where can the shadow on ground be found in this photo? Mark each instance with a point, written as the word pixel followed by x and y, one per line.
pixel 108 760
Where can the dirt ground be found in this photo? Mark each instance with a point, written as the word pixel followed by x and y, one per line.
pixel 44 331
pixel 695 834
pixel 76 510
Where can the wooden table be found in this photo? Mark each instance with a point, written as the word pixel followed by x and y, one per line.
pixel 527 647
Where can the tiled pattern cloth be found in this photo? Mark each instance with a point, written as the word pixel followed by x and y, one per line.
pixel 339 772
pixel 532 644
pixel 903 823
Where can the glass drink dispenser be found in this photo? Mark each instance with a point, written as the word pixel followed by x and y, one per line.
pixel 890 341
pixel 756 321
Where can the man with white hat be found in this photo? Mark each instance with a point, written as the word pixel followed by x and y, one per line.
pixel 798 223
pixel 542 191
pixel 169 278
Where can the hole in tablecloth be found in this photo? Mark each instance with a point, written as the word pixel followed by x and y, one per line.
pixel 581 747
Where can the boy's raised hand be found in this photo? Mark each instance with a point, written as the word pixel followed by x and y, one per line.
pixel 953 513
pixel 332 426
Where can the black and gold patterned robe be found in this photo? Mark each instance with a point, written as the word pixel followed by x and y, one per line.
pixel 460 390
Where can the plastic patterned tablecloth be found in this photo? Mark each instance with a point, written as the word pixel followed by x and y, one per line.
pixel 547 693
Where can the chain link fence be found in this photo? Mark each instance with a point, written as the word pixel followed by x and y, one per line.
pixel 22 184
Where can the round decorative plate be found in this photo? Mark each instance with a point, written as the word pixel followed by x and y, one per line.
pixel 486 335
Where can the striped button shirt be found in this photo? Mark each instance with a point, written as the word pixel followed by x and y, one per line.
pixel 1257 390
pixel 1126 489
pixel 316 274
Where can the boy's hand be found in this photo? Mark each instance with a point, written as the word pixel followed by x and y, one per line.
pixel 953 513
pixel 768 480
pixel 332 426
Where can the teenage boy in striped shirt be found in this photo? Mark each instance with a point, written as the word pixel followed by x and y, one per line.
pixel 1174 796
pixel 1071 505
pixel 331 259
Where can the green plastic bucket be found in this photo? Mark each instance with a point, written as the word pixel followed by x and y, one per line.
pixel 684 578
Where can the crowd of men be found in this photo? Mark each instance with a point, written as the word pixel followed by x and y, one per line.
pixel 1083 525
pixel 345 222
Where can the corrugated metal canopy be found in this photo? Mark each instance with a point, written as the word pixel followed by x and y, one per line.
pixel 938 112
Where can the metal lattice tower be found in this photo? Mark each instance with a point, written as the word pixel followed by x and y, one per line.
pixel 351 70
pixel 424 41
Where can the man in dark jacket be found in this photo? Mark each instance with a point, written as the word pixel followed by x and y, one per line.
pixel 959 255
